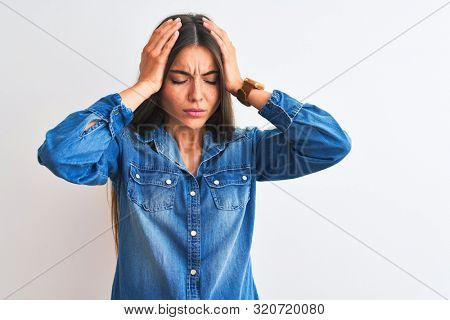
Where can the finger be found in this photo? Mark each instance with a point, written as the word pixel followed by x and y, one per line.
pixel 157 34
pixel 161 30
pixel 169 44
pixel 162 41
pixel 214 27
pixel 221 44
pixel 160 27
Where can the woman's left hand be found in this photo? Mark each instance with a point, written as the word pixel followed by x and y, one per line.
pixel 233 80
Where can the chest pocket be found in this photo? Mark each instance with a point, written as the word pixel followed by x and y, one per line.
pixel 230 188
pixel 153 190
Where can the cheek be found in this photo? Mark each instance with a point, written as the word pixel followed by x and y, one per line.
pixel 167 99
pixel 172 93
pixel 213 93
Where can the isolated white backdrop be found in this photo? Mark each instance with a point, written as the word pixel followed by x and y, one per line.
pixel 374 226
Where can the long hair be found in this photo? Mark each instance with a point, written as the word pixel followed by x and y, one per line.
pixel 150 113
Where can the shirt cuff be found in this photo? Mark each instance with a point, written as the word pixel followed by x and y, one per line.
pixel 112 110
pixel 280 109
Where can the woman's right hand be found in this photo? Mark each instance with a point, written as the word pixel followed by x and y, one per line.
pixel 153 61
pixel 155 53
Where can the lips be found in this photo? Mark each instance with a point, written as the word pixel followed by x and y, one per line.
pixel 195 112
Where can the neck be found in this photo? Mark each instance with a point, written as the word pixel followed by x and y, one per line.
pixel 187 139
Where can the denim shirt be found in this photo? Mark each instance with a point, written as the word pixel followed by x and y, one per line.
pixel 183 236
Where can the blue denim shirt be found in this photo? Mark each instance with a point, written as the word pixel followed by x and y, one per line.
pixel 183 236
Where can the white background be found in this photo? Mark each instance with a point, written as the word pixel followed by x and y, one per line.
pixel 374 226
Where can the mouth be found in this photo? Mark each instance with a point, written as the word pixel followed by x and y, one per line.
pixel 194 112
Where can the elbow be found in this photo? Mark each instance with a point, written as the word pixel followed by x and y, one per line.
pixel 89 174
pixel 46 158
pixel 345 147
pixel 43 155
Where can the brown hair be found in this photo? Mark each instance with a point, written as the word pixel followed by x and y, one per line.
pixel 150 113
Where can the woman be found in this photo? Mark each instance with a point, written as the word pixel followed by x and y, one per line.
pixel 184 180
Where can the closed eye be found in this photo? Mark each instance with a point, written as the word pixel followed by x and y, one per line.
pixel 180 82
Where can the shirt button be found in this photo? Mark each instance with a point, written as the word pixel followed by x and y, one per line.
pixel 168 181
pixel 216 182
pixel 192 193
pixel 244 178
pixel 193 233
pixel 137 175
pixel 193 272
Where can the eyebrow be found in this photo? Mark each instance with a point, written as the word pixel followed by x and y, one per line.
pixel 188 74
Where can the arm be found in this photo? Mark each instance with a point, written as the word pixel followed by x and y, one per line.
pixel 306 139
pixel 87 154
pixel 84 148
pixel 131 97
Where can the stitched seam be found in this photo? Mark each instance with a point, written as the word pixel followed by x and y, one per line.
pixel 240 166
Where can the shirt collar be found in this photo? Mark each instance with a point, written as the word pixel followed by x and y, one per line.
pixel 162 137
pixel 166 145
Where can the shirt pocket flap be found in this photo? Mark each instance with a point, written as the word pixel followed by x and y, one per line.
pixel 153 177
pixel 230 176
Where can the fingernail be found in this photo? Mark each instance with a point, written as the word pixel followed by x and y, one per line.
pixel 178 19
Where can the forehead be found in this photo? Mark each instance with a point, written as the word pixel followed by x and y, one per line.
pixel 194 57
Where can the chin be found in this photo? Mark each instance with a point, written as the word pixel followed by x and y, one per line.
pixel 193 123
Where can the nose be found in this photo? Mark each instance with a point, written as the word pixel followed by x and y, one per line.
pixel 196 90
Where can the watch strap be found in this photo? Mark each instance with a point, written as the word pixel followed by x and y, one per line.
pixel 247 86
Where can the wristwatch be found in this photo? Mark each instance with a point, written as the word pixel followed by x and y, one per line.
pixel 249 84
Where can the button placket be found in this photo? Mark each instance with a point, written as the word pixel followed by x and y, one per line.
pixel 194 241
